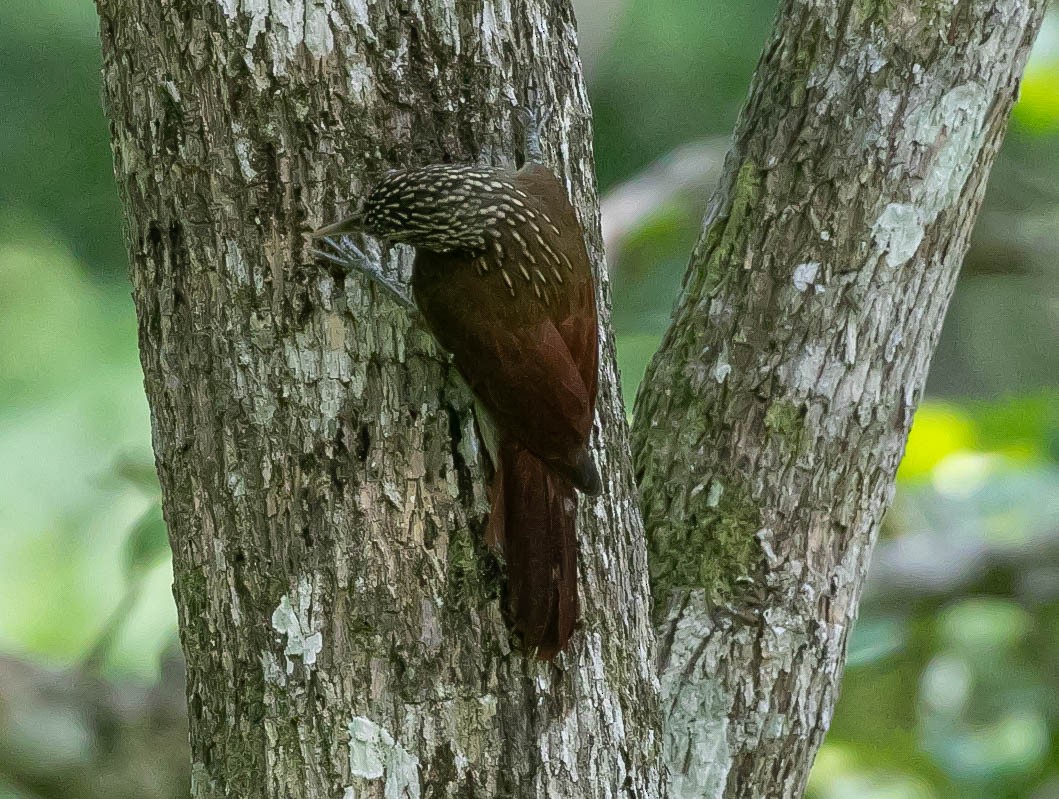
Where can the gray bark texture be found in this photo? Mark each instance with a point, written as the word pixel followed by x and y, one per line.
pixel 769 426
pixel 322 479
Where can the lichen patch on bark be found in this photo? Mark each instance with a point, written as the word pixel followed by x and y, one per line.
pixel 293 618
pixel 897 233
pixel 375 755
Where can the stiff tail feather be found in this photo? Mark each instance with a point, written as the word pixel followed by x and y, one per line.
pixel 533 522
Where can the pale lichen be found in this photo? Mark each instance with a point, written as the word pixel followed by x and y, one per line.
pixel 805 274
pixel 897 233
pixel 293 618
pixel 289 26
pixel 721 368
pixel 374 754
pixel 951 129
pixel 202 785
pixel 696 737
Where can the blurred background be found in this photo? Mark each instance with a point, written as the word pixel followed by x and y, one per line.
pixel 952 687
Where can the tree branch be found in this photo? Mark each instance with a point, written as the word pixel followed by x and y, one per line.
pixel 770 424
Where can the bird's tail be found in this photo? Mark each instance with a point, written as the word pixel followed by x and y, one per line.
pixel 533 522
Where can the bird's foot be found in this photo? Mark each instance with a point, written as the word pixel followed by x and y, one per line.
pixel 533 118
pixel 344 252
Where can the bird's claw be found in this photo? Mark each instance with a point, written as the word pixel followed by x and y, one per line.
pixel 533 119
pixel 350 257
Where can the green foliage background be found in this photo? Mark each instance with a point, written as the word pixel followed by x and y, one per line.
pixel 951 689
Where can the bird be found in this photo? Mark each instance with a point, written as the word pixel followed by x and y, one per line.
pixel 503 281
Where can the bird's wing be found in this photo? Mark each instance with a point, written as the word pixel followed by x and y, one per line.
pixel 527 378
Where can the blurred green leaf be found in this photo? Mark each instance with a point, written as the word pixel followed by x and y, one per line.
pixel 978 624
pixel 147 544
pixel 947 440
pixel 669 224
pixel 56 326
pixel 875 639
pixel 634 353
pixel 938 430
pixel 1022 428
pixel 138 471
pixel 675 70
pixel 1038 107
pixel 1015 744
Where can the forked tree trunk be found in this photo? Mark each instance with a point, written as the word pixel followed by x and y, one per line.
pixel 322 478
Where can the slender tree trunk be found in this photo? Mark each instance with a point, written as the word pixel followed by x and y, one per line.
pixel 321 473
pixel 322 478
pixel 770 424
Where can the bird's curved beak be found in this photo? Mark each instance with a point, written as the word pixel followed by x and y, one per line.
pixel 351 224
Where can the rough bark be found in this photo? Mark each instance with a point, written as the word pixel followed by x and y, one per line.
pixel 770 424
pixel 322 478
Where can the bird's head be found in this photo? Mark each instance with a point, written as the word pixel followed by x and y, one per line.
pixel 441 208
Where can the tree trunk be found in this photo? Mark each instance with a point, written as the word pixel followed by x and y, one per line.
pixel 322 477
pixel 770 424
